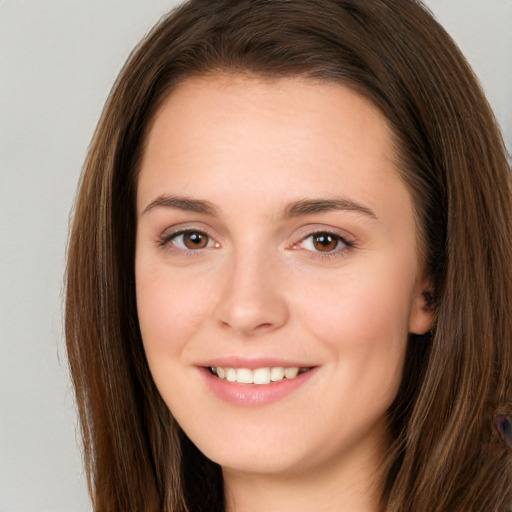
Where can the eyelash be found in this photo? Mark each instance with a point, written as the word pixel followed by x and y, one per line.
pixel 337 252
pixel 166 240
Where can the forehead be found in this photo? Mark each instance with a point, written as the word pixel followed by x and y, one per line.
pixel 295 136
pixel 290 103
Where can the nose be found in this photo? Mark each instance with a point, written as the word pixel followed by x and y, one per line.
pixel 252 301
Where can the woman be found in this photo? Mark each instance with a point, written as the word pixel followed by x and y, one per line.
pixel 289 278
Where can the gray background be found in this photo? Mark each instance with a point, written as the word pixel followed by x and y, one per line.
pixel 59 59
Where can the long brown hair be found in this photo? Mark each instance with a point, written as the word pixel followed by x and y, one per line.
pixel 443 456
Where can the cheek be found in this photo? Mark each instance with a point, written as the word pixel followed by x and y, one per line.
pixel 370 300
pixel 170 307
pixel 362 318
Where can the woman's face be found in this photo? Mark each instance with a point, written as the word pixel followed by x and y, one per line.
pixel 275 237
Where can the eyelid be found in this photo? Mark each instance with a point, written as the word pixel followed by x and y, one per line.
pixel 169 234
pixel 347 241
pixel 314 229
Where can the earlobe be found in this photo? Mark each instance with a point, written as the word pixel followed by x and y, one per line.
pixel 423 309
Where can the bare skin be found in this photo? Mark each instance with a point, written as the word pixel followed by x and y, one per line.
pixel 274 231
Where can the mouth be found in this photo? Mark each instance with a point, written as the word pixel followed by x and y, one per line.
pixel 257 376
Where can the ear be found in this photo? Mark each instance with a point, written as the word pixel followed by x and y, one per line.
pixel 423 311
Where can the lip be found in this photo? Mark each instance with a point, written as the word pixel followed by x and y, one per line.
pixel 253 363
pixel 254 394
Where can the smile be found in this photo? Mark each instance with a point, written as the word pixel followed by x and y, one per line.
pixel 259 376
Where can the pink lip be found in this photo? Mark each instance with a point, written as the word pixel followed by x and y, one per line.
pixel 253 363
pixel 252 394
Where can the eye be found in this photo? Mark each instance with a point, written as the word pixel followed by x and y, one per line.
pixel 188 240
pixel 325 242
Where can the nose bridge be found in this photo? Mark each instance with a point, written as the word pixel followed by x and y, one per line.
pixel 252 300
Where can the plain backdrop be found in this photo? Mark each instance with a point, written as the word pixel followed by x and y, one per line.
pixel 58 60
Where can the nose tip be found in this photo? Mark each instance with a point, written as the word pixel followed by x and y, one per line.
pixel 252 302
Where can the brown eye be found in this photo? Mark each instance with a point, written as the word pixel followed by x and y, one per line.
pixel 195 240
pixel 188 240
pixel 325 242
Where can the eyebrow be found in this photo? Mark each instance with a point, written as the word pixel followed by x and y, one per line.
pixel 184 203
pixel 309 206
pixel 294 209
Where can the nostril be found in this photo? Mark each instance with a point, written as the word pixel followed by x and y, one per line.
pixel 264 326
pixel 247 329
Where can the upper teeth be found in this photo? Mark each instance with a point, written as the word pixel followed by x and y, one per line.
pixel 257 376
